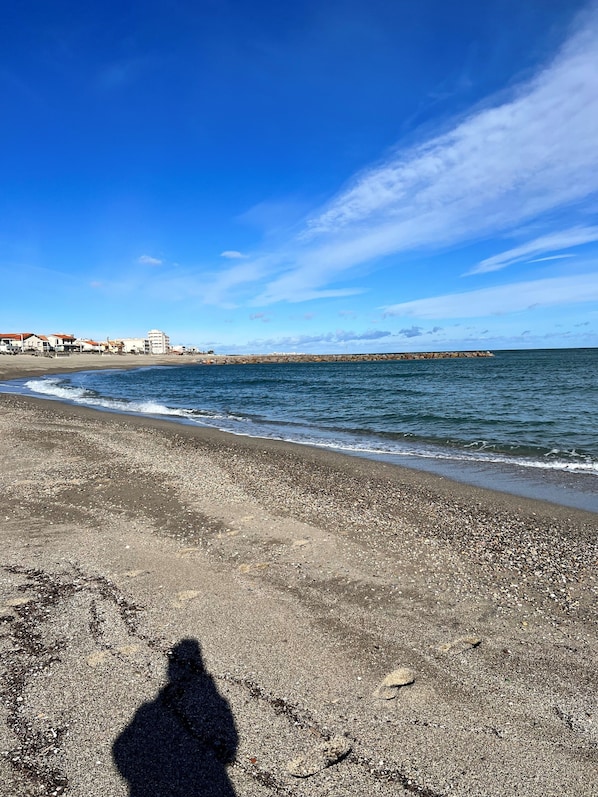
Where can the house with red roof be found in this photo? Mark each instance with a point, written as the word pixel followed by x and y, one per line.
pixel 61 342
pixel 24 342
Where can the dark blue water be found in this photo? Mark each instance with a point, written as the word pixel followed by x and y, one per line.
pixel 522 421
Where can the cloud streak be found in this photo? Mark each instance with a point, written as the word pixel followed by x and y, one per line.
pixel 496 169
pixel 502 299
pixel 535 149
pixel 565 239
pixel 338 336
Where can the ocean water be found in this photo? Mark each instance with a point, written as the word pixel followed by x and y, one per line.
pixel 522 421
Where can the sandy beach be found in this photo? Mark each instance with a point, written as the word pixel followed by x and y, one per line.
pixel 187 613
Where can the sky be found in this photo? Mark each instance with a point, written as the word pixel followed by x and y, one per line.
pixel 337 176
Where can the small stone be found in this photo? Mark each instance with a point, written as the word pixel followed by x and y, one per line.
pixel 390 685
pixel 321 757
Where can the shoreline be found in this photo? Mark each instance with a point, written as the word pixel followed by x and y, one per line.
pixel 564 488
pixel 445 485
pixel 305 577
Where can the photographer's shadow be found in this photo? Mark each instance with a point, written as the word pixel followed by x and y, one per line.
pixel 180 744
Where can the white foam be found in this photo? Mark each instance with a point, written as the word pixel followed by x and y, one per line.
pixel 79 395
pixel 56 388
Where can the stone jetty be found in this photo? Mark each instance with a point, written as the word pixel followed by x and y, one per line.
pixel 251 359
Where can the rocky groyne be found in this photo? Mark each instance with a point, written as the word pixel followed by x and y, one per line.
pixel 251 359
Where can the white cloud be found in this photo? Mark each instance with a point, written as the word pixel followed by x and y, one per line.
pixel 503 299
pixel 576 236
pixel 147 260
pixel 496 169
pixel 535 149
pixel 338 336
pixel 551 257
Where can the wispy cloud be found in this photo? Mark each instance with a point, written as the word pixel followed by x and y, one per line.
pixel 502 299
pixel 507 162
pixel 338 336
pixel 565 239
pixel 232 254
pixel 550 257
pixel 147 260
pixel 496 169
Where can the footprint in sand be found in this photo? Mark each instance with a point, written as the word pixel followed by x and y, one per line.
pixel 321 757
pixel 134 573
pixel 247 568
pixel 17 601
pixel 392 683
pixel 185 552
pixel 460 645
pixel 186 595
pixel 230 533
pixel 97 657
pixel 100 656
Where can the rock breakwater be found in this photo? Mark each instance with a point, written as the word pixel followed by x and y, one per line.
pixel 250 359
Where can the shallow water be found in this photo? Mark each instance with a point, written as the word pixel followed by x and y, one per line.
pixel 522 421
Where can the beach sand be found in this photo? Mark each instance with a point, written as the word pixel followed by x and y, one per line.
pixel 186 612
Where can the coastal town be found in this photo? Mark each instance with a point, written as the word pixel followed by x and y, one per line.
pixel 156 342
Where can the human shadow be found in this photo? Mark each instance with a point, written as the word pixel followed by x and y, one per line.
pixel 180 744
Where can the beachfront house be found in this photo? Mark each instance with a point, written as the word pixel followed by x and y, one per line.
pixel 24 342
pixel 62 342
pixel 112 346
pixel 85 345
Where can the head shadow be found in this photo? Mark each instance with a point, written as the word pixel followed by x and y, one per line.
pixel 180 743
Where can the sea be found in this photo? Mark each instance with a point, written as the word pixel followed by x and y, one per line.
pixel 521 422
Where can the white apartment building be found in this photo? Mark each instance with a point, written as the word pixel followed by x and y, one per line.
pixel 159 342
pixel 136 345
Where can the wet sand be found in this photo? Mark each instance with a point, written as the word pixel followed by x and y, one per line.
pixel 186 612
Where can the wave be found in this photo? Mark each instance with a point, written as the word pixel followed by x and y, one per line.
pixel 479 451
pixel 429 453
pixel 56 388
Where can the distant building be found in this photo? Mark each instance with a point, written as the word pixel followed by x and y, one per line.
pixel 112 346
pixel 24 341
pixel 84 345
pixel 61 342
pixel 136 345
pixel 159 342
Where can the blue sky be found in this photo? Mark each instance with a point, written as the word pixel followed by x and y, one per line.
pixel 312 176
